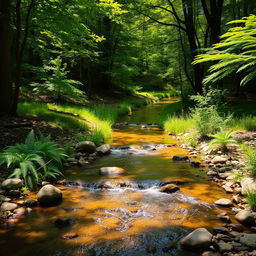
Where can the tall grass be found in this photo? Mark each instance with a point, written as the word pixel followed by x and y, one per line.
pixel 247 123
pixel 177 125
pixel 251 199
pixel 95 121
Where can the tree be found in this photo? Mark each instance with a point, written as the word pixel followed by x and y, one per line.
pixel 5 58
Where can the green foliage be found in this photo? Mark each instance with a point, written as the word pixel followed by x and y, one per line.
pixel 234 54
pixel 251 199
pixel 35 160
pixel 250 155
pixel 54 82
pixel 178 125
pixel 191 139
pixel 247 123
pixel 222 140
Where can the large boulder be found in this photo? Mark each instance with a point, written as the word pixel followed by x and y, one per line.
pixel 86 147
pixel 49 195
pixel 12 184
pixel 245 217
pixel 8 206
pixel 103 150
pixel 199 239
pixel 180 158
pixel 248 240
pixel 111 171
pixel 224 202
pixel 169 188
pixel 248 184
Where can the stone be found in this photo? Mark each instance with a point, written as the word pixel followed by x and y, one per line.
pixel 195 164
pixel 225 247
pixel 8 206
pixel 199 239
pixel 224 217
pixel 20 211
pixel 169 247
pixel 111 171
pixel 248 240
pixel 236 227
pixel 150 249
pixel 64 222
pixel 86 147
pixel 30 202
pixel 49 195
pixel 248 184
pixel 224 202
pixel 69 236
pixel 221 230
pixel 169 188
pixel 45 183
pixel 219 160
pixel 103 150
pixel 227 189
pixel 14 193
pixel 212 173
pixel 12 184
pixel 180 158
pixel 245 217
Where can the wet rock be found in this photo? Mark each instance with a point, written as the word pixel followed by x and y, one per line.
pixel 245 217
pixel 248 184
pixel 224 217
pixel 210 253
pixel 199 239
pixel 20 211
pixel 64 222
pixel 14 193
pixel 236 199
pixel 30 202
pixel 224 202
pixel 219 160
pixel 169 247
pixel 221 230
pixel 236 227
pixel 103 150
pixel 45 183
pixel 151 249
pixel 69 236
pixel 169 188
pixel 225 247
pixel 111 171
pixel 227 189
pixel 212 173
pixel 195 164
pixel 86 147
pixel 12 184
pixel 248 240
pixel 8 206
pixel 180 158
pixel 49 195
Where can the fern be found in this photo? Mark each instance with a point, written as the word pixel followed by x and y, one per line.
pixel 222 140
pixel 35 160
pixel 236 53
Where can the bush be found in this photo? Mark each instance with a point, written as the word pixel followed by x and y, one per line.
pixel 251 199
pixel 250 154
pixel 35 160
pixel 222 140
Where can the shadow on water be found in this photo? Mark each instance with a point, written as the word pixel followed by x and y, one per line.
pixel 123 215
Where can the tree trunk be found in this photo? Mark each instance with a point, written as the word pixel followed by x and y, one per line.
pixel 5 59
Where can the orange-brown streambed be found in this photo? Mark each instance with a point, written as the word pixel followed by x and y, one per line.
pixel 131 214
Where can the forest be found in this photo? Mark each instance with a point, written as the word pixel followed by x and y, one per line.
pixel 128 127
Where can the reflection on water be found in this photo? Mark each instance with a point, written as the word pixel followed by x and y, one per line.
pixel 123 215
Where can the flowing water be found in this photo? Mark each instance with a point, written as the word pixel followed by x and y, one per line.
pixel 127 214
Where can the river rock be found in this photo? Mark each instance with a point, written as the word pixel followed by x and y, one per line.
pixel 224 202
pixel 69 236
pixel 30 202
pixel 111 171
pixel 169 188
pixel 248 184
pixel 103 150
pixel 245 217
pixel 195 164
pixel 86 147
pixel 180 158
pixel 49 195
pixel 199 239
pixel 12 184
pixel 225 247
pixel 248 240
pixel 8 206
pixel 20 211
pixel 219 160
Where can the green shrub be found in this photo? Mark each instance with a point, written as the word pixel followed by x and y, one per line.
pixel 222 140
pixel 35 160
pixel 177 125
pixel 251 199
pixel 250 154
